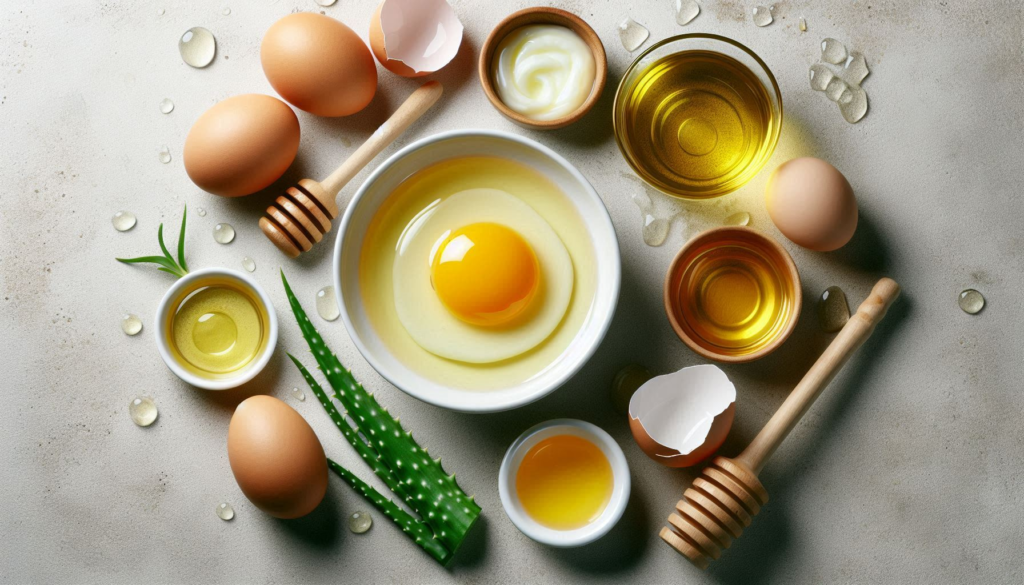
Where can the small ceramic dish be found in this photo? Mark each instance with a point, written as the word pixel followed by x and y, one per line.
pixel 733 236
pixel 191 283
pixel 381 184
pixel 542 15
pixel 564 538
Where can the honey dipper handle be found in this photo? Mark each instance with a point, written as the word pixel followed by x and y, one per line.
pixel 851 337
pixel 414 106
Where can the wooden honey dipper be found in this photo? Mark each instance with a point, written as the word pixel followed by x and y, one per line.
pixel 299 219
pixel 727 495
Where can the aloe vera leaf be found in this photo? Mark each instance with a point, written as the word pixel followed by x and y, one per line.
pixel 362 448
pixel 428 490
pixel 415 528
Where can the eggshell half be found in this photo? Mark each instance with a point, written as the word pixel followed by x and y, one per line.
pixel 413 38
pixel 681 419
pixel 812 204
pixel 276 458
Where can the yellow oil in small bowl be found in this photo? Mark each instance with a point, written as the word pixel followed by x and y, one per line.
pixel 564 482
pixel 697 116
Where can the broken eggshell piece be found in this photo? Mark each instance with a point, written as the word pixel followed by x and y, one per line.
pixel 682 418
pixel 413 38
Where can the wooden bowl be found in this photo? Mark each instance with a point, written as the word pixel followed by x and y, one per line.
pixel 542 15
pixel 732 236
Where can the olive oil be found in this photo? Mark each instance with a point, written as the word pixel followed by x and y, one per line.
pixel 697 124
pixel 217 329
pixel 564 482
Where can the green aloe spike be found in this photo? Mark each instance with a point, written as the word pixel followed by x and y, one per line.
pixel 167 263
pixel 417 479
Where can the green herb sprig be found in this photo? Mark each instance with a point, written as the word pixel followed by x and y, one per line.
pixel 166 262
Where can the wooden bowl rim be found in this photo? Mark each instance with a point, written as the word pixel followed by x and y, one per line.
pixel 543 15
pixel 669 296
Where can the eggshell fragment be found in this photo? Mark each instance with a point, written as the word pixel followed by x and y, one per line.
pixel 413 38
pixel 276 458
pixel 682 418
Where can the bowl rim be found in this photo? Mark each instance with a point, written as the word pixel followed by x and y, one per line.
pixel 550 15
pixel 612 262
pixel 248 372
pixel 616 506
pixel 678 38
pixel 669 296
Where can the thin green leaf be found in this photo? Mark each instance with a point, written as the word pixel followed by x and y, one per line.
pixel 160 236
pixel 181 242
pixel 175 272
pixel 149 260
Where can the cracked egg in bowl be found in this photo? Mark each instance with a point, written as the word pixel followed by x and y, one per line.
pixel 477 270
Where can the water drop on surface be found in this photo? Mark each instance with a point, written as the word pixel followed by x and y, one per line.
pixel 803 25
pixel 166 106
pixel 833 311
pixel 326 304
pixel 971 301
pixel 225 512
pixel 160 12
pixel 855 69
pixel 359 522
pixel 123 221
pixel 197 47
pixel 249 264
pixel 820 76
pixel 165 155
pixel 835 88
pixel 326 2
pixel 223 233
pixel 855 109
pixel 763 16
pixel 226 12
pixel 741 218
pixel 298 394
pixel 200 212
pixel 131 324
pixel 626 383
pixel 143 411
pixel 686 11
pixel 656 230
pixel 632 34
pixel 832 51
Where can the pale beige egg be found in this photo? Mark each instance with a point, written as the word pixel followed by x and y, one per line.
pixel 812 204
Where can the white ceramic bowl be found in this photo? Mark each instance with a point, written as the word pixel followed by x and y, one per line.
pixel 423 153
pixel 194 281
pixel 564 538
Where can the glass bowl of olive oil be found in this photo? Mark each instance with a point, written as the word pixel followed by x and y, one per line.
pixel 697 115
pixel 216 328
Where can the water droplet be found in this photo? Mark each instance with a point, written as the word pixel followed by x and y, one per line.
pixel 298 394
pixel 359 522
pixel 164 154
pixel 833 312
pixel 143 411
pixel 763 16
pixel 226 11
pixel 803 25
pixel 326 2
pixel 200 212
pixel 248 264
pixel 166 106
pixel 686 11
pixel 626 383
pixel 326 304
pixel 971 301
pixel 740 218
pixel 655 230
pixel 131 324
pixel 197 47
pixel 820 76
pixel 160 12
pixel 832 51
pixel 855 109
pixel 123 221
pixel 855 69
pixel 632 34
pixel 225 512
pixel 835 88
pixel 223 233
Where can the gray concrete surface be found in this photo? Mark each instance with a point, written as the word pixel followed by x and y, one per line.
pixel 908 470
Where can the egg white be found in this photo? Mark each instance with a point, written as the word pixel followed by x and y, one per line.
pixel 432 326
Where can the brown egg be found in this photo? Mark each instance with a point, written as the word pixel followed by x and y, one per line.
pixel 277 460
pixel 241 145
pixel 319 65
pixel 812 204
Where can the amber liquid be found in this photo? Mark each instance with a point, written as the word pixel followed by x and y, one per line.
pixel 697 124
pixel 564 482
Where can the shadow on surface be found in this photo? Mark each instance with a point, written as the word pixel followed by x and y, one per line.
pixel 319 529
pixel 618 552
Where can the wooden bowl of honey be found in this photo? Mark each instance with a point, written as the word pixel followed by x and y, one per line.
pixel 732 294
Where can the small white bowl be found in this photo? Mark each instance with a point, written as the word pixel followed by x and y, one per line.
pixel 425 152
pixel 194 281
pixel 564 538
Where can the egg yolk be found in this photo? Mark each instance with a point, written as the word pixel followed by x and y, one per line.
pixel 485 273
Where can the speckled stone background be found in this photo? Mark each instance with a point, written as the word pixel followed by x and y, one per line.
pixel 908 470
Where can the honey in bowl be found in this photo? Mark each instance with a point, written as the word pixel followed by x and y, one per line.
pixel 564 482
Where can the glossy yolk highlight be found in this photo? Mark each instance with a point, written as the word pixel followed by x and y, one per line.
pixel 485 273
